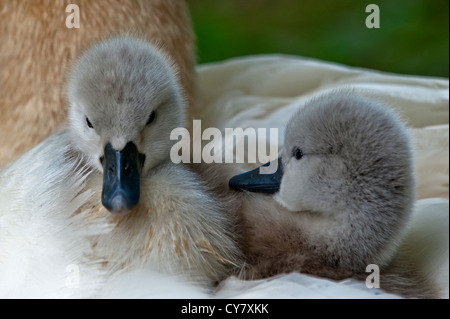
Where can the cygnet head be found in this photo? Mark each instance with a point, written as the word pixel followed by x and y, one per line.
pixel 124 100
pixel 344 155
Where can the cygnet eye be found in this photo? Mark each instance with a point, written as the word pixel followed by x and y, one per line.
pixel 151 118
pixel 89 124
pixel 298 153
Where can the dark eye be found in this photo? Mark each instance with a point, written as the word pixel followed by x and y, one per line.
pixel 298 153
pixel 89 124
pixel 151 118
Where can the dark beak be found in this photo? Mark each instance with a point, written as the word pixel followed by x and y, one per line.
pixel 121 178
pixel 254 181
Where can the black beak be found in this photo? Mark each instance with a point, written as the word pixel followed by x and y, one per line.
pixel 254 181
pixel 121 178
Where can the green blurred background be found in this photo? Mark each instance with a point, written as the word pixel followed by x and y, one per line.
pixel 413 37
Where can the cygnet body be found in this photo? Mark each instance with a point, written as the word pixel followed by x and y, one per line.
pixel 124 101
pixel 342 194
